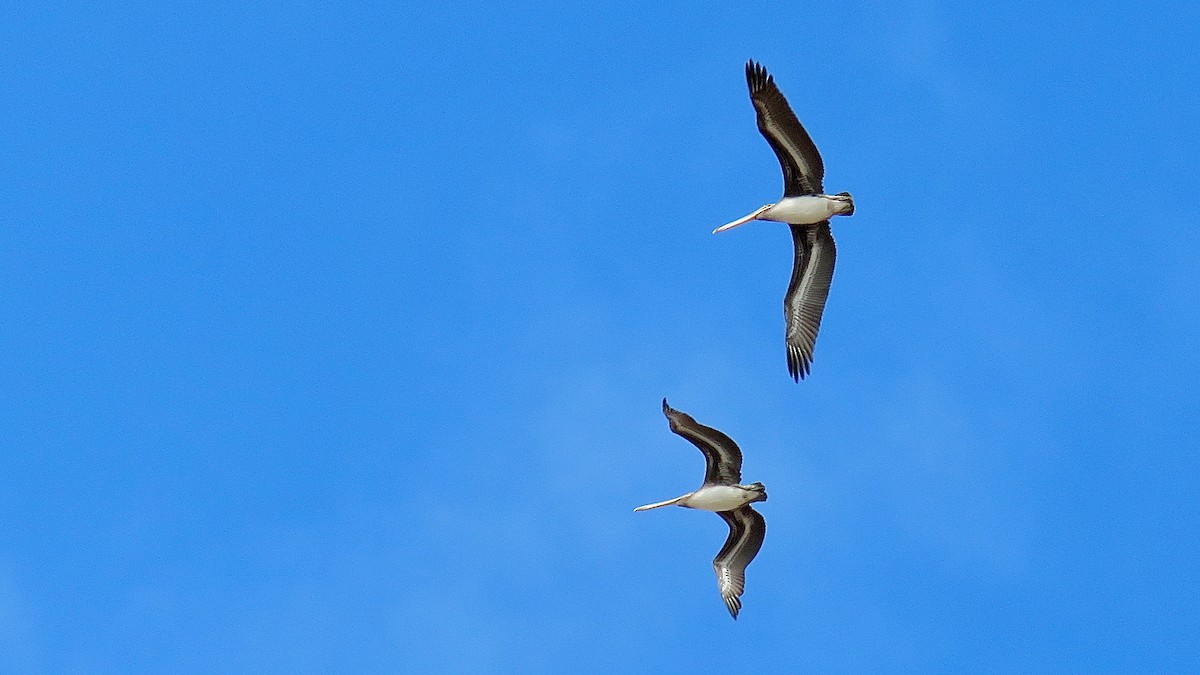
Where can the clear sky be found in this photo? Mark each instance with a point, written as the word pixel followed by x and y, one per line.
pixel 334 337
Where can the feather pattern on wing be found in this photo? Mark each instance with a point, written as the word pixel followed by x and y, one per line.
pixel 803 170
pixel 723 458
pixel 812 273
pixel 747 528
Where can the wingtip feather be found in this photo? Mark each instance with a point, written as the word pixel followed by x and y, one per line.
pixel 734 605
pixel 799 366
pixel 757 76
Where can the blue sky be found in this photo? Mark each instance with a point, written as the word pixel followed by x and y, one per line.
pixel 334 337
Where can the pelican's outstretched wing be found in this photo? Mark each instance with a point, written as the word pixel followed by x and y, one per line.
pixel 803 170
pixel 746 531
pixel 804 303
pixel 722 456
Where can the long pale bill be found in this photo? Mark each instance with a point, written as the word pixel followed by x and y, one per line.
pixel 741 221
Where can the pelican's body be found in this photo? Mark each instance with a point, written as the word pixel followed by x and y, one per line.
pixel 715 498
pixel 799 210
pixel 722 493
pixel 719 498
pixel 805 208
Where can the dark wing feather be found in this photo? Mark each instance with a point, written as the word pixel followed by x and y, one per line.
pixel 723 458
pixel 812 273
pixel 803 170
pixel 746 532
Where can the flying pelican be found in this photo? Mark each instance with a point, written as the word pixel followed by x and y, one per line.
pixel 722 493
pixel 805 209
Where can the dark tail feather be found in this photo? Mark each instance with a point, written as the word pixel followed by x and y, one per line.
pixel 761 488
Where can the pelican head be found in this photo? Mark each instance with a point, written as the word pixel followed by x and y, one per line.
pixel 756 215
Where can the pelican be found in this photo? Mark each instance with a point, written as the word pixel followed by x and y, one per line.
pixel 722 493
pixel 805 209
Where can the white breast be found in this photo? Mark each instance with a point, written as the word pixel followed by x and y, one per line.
pixel 802 210
pixel 719 498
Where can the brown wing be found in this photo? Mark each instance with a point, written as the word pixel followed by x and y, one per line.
pixel 723 458
pixel 803 170
pixel 804 304
pixel 747 528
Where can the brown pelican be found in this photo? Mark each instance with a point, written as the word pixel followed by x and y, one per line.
pixel 722 493
pixel 805 209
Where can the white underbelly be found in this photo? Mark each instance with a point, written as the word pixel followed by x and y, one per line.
pixel 719 498
pixel 803 210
